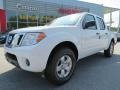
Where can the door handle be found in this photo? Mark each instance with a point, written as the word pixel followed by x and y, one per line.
pixel 97 33
pixel 106 33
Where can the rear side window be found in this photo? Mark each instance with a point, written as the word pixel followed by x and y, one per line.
pixel 101 23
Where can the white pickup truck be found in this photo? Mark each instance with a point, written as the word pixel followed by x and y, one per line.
pixel 55 48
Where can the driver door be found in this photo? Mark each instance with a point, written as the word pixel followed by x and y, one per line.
pixel 90 35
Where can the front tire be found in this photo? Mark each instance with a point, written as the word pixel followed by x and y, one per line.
pixel 110 50
pixel 61 66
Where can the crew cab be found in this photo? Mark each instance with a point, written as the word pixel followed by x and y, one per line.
pixel 55 48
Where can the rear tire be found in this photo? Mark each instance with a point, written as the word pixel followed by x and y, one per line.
pixel 110 50
pixel 61 66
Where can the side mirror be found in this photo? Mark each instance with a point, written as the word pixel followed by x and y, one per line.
pixel 89 24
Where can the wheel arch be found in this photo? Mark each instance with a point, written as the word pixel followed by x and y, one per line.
pixel 69 44
pixel 112 40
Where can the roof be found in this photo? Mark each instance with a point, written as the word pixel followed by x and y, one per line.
pixel 110 9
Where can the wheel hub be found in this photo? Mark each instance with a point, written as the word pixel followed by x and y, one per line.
pixel 64 66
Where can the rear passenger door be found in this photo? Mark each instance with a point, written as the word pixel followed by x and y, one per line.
pixel 103 33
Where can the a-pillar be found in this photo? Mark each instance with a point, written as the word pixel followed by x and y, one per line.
pixel 110 20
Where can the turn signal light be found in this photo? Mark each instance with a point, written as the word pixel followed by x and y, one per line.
pixel 40 37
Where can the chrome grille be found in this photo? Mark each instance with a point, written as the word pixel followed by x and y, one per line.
pixel 14 40
pixel 9 40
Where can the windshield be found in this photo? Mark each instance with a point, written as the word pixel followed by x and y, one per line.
pixel 66 20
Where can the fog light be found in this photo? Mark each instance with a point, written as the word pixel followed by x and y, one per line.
pixel 27 62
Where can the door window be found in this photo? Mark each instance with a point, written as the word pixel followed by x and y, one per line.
pixel 101 23
pixel 89 22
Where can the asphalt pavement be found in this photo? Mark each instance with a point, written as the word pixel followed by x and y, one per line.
pixel 95 72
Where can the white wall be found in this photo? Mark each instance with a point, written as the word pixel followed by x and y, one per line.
pixel 1 4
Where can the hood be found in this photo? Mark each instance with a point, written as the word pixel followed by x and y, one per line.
pixel 29 29
pixel 38 29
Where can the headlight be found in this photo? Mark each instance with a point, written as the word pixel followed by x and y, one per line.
pixel 32 38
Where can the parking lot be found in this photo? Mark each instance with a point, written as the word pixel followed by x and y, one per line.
pixel 92 73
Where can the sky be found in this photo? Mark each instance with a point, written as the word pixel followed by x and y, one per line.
pixel 109 3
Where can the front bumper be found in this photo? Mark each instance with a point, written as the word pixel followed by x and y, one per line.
pixel 12 59
pixel 36 55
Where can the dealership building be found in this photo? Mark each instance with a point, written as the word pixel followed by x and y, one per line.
pixel 25 13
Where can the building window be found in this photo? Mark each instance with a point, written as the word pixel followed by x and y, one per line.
pixel 22 17
pixel 11 15
pixel 11 25
pixel 32 24
pixel 11 20
pixel 32 17
pixel 49 18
